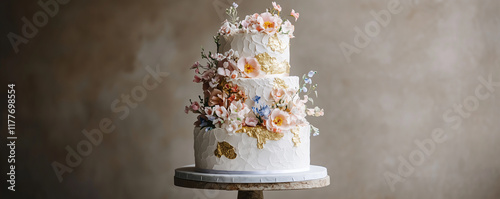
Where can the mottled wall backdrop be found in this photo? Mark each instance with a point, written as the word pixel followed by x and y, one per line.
pixel 411 91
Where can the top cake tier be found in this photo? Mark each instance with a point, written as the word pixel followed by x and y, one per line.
pixel 271 51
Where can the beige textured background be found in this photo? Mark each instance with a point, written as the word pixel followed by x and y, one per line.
pixel 395 91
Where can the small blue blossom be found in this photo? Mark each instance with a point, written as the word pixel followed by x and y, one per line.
pixel 304 89
pixel 235 5
pixel 211 117
pixel 264 111
pixel 203 122
pixel 256 99
pixel 311 73
pixel 308 80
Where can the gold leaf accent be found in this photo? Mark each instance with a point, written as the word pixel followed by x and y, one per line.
pixel 225 149
pixel 272 66
pixel 276 45
pixel 295 138
pixel 261 134
pixel 279 83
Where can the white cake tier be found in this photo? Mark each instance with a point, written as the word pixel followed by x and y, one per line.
pixel 272 51
pixel 263 86
pixel 217 149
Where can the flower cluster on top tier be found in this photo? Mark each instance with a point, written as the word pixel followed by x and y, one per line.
pixel 223 103
pixel 268 22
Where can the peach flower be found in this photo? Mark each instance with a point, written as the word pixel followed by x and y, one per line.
pixel 281 93
pixel 271 23
pixel 253 23
pixel 216 98
pixel 279 121
pixel 249 66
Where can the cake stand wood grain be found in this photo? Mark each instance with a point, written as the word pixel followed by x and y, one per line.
pixel 253 190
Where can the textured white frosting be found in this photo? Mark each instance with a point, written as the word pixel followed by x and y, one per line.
pixel 252 44
pixel 263 87
pixel 274 156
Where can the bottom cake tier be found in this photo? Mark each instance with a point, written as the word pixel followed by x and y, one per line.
pixel 252 149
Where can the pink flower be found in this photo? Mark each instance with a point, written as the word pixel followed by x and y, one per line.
pixel 271 23
pixel 295 14
pixel 195 106
pixel 195 65
pixel 186 109
pixel 207 75
pixel 279 121
pixel 249 66
pixel 197 79
pixel 251 120
pixel 277 6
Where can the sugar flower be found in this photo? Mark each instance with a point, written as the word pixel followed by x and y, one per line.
pixel 288 28
pixel 279 121
pixel 195 106
pixel 307 80
pixel 311 73
pixel 256 99
pixel 235 5
pixel 251 120
pixel 197 79
pixel 295 14
pixel 304 89
pixel 253 23
pixel 249 66
pixel 276 6
pixel 271 23
pixel 227 28
pixel 216 98
pixel 221 112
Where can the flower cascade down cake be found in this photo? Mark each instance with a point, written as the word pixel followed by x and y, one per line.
pixel 251 116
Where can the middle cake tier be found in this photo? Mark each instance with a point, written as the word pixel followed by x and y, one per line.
pixel 265 88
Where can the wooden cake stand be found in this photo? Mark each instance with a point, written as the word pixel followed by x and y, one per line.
pixel 251 186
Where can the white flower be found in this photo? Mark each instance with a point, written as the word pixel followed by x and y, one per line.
pixel 288 28
pixel 235 5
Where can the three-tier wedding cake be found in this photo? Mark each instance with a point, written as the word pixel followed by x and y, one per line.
pixel 251 116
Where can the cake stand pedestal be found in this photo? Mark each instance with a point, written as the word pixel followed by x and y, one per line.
pixel 251 186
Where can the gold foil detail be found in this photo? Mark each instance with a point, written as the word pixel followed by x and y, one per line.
pixel 279 83
pixel 225 149
pixel 272 66
pixel 295 138
pixel 276 45
pixel 261 134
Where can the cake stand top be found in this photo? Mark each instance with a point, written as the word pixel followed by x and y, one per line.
pixel 315 177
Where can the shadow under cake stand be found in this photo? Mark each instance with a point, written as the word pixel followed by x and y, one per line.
pixel 251 186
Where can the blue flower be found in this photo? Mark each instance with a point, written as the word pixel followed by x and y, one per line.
pixel 304 89
pixel 308 80
pixel 256 99
pixel 311 73
pixel 264 111
pixel 203 122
